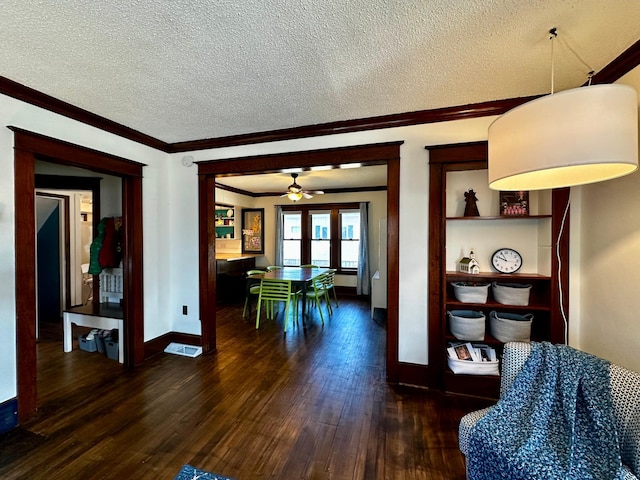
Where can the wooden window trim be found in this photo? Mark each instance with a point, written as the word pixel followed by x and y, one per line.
pixel 335 225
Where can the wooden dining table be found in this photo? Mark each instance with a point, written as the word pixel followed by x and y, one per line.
pixel 300 278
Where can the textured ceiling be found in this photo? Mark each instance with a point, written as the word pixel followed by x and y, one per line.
pixel 184 70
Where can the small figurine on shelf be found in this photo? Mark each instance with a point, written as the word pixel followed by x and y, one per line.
pixel 469 264
pixel 471 207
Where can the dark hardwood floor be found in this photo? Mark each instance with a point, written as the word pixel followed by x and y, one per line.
pixel 311 404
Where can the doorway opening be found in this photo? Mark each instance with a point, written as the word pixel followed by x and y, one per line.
pixel 64 228
pixel 28 148
pixel 375 154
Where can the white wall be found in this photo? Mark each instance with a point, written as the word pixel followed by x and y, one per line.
pixel 605 232
pixel 532 239
pixel 414 219
pixel 608 231
pixel 156 198
pixel 587 331
pixel 605 241
pixel 607 322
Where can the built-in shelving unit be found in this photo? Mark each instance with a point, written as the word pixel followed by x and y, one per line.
pixel 539 237
pixel 225 221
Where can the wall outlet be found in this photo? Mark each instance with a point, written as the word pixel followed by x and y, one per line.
pixel 184 309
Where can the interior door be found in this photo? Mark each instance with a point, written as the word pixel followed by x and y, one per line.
pixel 49 286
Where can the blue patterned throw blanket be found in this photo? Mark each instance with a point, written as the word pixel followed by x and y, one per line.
pixel 190 473
pixel 555 422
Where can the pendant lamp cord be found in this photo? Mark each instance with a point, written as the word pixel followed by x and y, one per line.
pixel 563 312
pixel 553 34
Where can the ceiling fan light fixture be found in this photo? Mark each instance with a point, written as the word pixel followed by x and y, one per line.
pixel 294 196
pixel 295 192
pixel 294 187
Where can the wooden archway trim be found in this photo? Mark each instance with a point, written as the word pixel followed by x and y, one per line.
pixel 29 146
pixel 373 154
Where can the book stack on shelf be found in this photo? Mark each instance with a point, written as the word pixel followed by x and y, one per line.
pixel 472 358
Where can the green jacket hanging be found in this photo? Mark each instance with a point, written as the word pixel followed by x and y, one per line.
pixel 94 251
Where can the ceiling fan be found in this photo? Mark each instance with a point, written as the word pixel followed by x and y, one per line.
pixel 295 192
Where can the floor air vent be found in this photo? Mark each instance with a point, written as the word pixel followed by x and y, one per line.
pixel 184 350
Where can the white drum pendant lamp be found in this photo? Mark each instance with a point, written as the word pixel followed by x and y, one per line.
pixel 574 137
pixel 578 136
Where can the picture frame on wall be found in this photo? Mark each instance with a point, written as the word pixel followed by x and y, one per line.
pixel 514 204
pixel 253 230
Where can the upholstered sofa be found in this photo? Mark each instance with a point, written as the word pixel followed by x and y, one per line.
pixel 625 407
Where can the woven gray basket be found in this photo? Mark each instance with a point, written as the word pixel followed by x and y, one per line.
pixel 467 324
pixel 467 292
pixel 510 327
pixel 511 293
pixel 473 368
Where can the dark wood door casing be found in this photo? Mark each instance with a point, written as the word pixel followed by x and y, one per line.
pixel 443 159
pixel 27 147
pixel 373 154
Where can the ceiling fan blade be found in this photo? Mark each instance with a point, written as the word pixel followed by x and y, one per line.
pixel 295 189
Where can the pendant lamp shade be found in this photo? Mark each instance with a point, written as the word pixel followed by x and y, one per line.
pixel 574 137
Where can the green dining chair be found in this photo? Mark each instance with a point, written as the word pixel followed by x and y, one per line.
pixel 330 285
pixel 273 291
pixel 316 293
pixel 308 266
pixel 271 268
pixel 253 289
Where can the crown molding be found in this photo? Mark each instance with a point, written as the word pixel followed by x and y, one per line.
pixel 619 67
pixel 34 97
pixel 239 191
pixel 496 107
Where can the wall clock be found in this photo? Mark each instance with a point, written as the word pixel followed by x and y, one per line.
pixel 506 260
